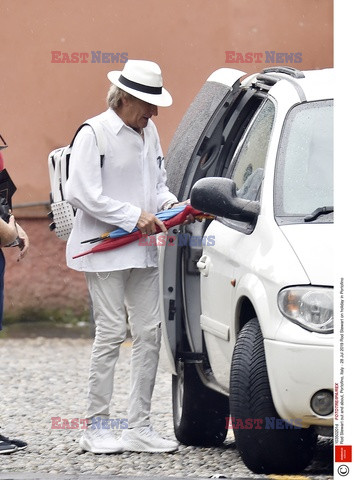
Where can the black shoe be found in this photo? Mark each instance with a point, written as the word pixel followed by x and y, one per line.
pixel 6 447
pixel 19 444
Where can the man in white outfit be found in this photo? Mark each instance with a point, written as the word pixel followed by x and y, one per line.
pixel 124 191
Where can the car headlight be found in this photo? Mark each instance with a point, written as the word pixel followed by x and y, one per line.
pixel 310 307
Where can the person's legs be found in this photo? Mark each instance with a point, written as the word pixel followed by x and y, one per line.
pixel 142 301
pixel 107 295
pixel 6 445
pixel 2 273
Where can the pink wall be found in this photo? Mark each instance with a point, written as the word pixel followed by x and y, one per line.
pixel 42 103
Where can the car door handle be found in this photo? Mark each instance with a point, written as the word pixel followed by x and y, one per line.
pixel 203 265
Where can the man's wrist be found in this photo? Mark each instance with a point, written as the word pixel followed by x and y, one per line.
pixel 169 204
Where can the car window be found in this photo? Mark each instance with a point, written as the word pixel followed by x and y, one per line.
pixel 304 172
pixel 216 146
pixel 248 164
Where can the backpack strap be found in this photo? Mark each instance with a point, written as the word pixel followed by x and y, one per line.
pixel 99 134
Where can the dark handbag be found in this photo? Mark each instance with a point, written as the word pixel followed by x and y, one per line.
pixel 4 210
pixel 7 189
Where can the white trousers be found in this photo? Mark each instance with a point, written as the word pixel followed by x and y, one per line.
pixel 114 295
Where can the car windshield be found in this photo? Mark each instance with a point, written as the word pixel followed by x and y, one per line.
pixel 304 172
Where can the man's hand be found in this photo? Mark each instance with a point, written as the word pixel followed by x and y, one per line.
pixel 23 242
pixel 147 223
pixel 190 218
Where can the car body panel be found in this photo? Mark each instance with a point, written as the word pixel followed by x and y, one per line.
pixel 293 388
pixel 226 76
pixel 310 238
pixel 249 266
pixel 168 277
pixel 230 261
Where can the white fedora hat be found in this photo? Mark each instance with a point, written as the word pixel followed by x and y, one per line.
pixel 143 80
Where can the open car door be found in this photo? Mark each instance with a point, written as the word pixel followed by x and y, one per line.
pixel 199 141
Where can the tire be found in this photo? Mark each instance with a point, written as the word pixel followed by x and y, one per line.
pixel 200 415
pixel 264 450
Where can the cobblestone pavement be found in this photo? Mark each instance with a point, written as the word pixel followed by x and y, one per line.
pixel 44 378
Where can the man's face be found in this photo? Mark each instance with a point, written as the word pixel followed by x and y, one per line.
pixel 137 112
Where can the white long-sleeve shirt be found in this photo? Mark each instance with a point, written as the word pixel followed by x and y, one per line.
pixel 132 178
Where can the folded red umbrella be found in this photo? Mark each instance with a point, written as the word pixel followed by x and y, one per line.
pixel 111 243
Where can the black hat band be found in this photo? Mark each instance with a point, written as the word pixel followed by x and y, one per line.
pixel 139 86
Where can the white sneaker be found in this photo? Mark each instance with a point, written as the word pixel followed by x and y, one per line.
pixel 100 440
pixel 145 439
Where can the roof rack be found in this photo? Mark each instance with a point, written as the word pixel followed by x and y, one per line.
pixel 265 80
pixel 293 72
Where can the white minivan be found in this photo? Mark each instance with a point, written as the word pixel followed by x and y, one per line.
pixel 247 298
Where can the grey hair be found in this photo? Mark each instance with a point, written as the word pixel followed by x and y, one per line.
pixel 115 95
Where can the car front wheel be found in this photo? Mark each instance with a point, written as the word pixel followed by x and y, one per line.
pixel 267 444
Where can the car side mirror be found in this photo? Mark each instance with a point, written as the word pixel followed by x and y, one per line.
pixel 218 196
